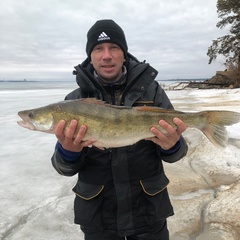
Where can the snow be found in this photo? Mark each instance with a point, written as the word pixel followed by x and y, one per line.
pixel 36 202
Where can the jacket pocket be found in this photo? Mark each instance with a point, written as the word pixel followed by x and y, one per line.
pixel 87 191
pixel 158 205
pixel 88 204
pixel 155 185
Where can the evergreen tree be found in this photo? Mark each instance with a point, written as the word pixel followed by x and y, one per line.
pixel 228 45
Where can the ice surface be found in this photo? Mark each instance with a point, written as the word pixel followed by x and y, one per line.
pixel 36 202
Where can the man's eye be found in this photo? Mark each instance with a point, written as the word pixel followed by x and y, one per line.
pixel 115 47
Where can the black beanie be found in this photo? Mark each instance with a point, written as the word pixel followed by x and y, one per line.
pixel 105 31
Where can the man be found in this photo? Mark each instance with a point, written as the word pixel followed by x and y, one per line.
pixel 120 192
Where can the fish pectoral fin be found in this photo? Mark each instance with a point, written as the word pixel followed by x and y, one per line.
pixel 156 110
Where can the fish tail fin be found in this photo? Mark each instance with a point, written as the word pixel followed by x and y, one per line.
pixel 215 128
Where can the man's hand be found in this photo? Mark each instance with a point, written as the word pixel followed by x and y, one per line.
pixel 66 138
pixel 170 138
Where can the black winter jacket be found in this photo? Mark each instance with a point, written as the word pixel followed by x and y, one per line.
pixel 121 189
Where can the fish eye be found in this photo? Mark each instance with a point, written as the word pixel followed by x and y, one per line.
pixel 31 115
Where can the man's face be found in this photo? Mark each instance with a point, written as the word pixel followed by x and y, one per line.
pixel 107 59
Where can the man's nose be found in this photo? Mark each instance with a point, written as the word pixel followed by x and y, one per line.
pixel 107 53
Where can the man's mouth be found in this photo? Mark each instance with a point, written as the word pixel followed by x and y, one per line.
pixel 107 66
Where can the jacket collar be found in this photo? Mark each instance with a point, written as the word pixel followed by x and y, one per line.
pixel 140 76
pixel 120 82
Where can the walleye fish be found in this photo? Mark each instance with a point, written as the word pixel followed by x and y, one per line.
pixel 117 126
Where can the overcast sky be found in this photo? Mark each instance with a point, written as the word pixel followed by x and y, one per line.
pixel 43 40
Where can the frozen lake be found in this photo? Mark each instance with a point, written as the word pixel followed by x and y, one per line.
pixel 36 202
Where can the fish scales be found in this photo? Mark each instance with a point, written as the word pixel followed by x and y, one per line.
pixel 116 126
pixel 84 114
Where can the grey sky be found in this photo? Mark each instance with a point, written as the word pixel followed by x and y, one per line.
pixel 43 40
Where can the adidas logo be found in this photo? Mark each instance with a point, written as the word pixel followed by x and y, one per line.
pixel 103 36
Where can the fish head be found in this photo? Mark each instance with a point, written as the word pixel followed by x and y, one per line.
pixel 39 119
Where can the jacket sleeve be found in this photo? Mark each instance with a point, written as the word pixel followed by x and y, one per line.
pixel 180 149
pixel 66 167
pixel 160 98
pixel 173 155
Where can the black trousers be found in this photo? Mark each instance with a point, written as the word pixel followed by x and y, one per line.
pixel 157 231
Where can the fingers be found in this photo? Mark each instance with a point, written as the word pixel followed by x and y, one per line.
pixel 67 135
pixel 71 138
pixel 166 139
pixel 80 135
pixel 167 128
pixel 169 135
pixel 181 127
pixel 59 131
pixel 71 130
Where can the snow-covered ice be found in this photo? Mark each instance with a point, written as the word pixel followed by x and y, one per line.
pixel 36 202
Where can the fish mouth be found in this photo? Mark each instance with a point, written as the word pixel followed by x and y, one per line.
pixel 27 125
pixel 25 122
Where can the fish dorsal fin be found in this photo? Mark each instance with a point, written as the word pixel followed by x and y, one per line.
pixel 101 103
pixel 92 101
pixel 156 110
pixel 118 107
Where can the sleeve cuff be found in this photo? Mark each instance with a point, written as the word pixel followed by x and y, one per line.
pixel 172 150
pixel 67 155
